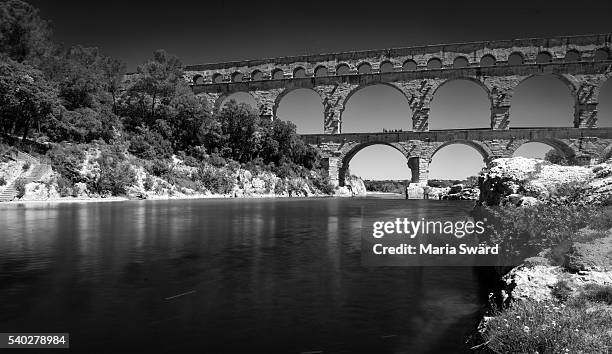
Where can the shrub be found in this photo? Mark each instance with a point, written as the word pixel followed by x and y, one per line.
pixel 116 174
pixel 148 183
pixel 549 327
pixel 65 186
pixel 602 219
pixel 20 187
pixel 596 293
pixel 67 160
pixel 215 180
pixel 2 181
pixel 280 187
pixel 561 290
pixel 158 167
pixel 26 166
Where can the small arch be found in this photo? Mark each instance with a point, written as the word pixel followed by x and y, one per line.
pixel 461 62
pixel 342 69
pixel 572 55
pixel 278 74
pixel 350 154
pixel 321 71
pixel 198 79
pixel 562 148
pixel 364 68
pixel 434 63
pixel 299 73
pixel 237 76
pixel 601 54
pixel 409 65
pixel 543 58
pixel 488 60
pixel 256 75
pixel 469 166
pixel 217 78
pixel 386 67
pixel 516 58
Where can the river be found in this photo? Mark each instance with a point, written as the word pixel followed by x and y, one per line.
pixel 227 276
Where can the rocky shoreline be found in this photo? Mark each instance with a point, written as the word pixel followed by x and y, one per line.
pixel 575 277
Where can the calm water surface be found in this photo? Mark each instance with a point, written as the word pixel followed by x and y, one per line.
pixel 261 276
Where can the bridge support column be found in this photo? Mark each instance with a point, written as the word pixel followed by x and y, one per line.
pixel 419 167
pixel 332 165
pixel 585 115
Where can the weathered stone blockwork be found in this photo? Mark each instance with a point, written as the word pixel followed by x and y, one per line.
pixel 583 63
pixel 579 146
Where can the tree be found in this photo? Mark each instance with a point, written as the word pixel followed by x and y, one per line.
pixel 24 35
pixel 26 97
pixel 555 157
pixel 240 135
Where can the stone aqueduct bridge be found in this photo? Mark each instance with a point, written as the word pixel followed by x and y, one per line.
pixel 582 63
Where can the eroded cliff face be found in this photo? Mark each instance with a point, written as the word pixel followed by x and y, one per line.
pixel 525 181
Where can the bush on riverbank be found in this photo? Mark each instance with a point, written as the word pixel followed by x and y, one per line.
pixel 576 325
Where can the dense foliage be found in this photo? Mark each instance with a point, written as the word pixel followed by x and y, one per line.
pixel 77 95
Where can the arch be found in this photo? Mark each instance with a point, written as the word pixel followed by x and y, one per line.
pixel 223 98
pixel 364 68
pixel 278 74
pixel 287 91
pixel 482 148
pixel 256 75
pixel 478 108
pixel 217 78
pixel 320 71
pixel 601 54
pixel 469 165
pixel 461 62
pixel 237 76
pixel 434 63
pixel 573 55
pixel 543 58
pixel 565 150
pixel 408 110
pixel 198 79
pixel 488 60
pixel 386 67
pixel 299 73
pixel 516 58
pixel 571 87
pixel 349 154
pixel 343 69
pixel 409 65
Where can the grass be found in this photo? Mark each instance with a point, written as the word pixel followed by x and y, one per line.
pixel 579 326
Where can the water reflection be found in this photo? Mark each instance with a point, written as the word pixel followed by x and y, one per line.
pixel 272 276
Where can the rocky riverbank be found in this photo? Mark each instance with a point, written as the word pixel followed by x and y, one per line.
pixel 560 299
pixel 183 182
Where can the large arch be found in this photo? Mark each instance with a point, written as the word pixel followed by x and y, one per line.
pixel 483 117
pixel 301 116
pixel 349 152
pixel 555 86
pixel 407 115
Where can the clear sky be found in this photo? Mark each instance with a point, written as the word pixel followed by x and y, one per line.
pixel 205 31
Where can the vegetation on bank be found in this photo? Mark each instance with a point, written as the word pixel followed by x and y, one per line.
pixel 76 99
pixel 573 235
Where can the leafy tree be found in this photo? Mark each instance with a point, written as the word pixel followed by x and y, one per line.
pixel 26 97
pixel 555 157
pixel 24 35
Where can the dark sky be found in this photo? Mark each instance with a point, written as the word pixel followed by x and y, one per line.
pixel 211 31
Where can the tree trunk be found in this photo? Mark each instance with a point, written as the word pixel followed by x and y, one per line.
pixel 26 129
pixel 153 106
